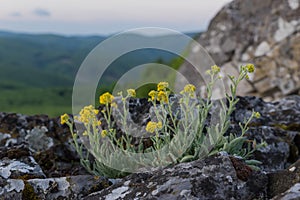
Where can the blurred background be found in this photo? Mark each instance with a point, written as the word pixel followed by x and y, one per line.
pixel 44 42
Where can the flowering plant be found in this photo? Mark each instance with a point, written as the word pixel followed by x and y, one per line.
pixel 178 130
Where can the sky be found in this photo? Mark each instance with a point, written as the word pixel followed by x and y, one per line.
pixel 104 17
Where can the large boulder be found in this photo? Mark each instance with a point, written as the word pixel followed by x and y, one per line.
pixel 266 33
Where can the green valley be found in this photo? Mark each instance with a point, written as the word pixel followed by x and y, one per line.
pixel 37 71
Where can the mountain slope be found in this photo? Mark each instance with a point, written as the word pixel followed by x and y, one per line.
pixel 37 71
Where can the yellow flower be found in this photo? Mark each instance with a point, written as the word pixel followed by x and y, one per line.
pixel 189 89
pixel 106 98
pixel 88 114
pixel 85 133
pixel 131 92
pixel 250 68
pixel 159 125
pixel 64 118
pixel 153 126
pixel 152 94
pixel 104 133
pixel 162 86
pixel 215 69
pixel 162 97
pixel 257 115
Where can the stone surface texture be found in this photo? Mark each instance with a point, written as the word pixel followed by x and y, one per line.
pixel 265 33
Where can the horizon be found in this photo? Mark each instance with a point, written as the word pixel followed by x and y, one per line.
pixel 100 17
pixel 85 35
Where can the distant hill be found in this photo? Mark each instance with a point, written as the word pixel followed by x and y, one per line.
pixel 42 60
pixel 37 71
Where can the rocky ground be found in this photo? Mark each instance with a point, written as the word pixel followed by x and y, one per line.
pixel 37 161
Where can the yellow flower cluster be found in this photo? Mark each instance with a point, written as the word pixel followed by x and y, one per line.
pixel 104 133
pixel 131 92
pixel 88 115
pixel 153 126
pixel 250 68
pixel 106 98
pixel 189 89
pixel 64 118
pixel 213 70
pixel 152 94
pixel 162 96
pixel 162 86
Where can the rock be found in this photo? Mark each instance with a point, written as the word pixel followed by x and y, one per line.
pixel 285 30
pixel 211 178
pixel 266 34
pixel 18 164
pixel 17 169
pixel 72 187
pixel 292 194
pixel 279 130
pixel 37 139
pixel 262 49
pixel 278 125
pixel 285 182
pixel 294 4
pixel 228 46
pixel 41 138
pixel 37 161
pixel 277 154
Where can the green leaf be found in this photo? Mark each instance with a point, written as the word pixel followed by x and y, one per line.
pixel 255 168
pixel 253 162
pixel 187 158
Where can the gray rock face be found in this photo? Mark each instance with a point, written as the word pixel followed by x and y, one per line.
pixel 37 139
pixel 284 183
pixel 22 167
pixel 278 126
pixel 265 33
pixel 73 187
pixel 291 194
pixel 211 178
